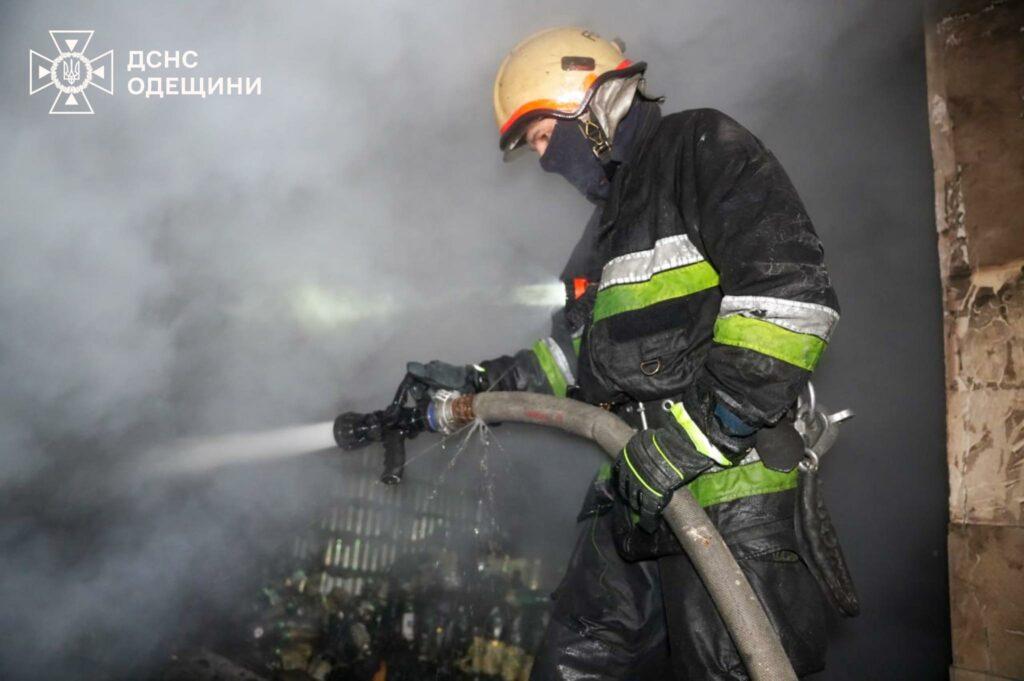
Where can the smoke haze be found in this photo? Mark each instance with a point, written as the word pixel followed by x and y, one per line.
pixel 186 267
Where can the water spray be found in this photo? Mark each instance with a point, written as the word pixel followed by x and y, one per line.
pixel 405 418
pixel 202 455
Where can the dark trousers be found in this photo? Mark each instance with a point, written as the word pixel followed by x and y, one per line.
pixel 648 616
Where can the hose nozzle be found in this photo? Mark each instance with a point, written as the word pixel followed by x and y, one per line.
pixel 353 430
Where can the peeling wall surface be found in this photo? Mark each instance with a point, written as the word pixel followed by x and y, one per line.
pixel 986 404
pixel 976 105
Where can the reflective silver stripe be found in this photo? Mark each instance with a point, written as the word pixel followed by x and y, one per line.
pixel 811 318
pixel 560 360
pixel 667 254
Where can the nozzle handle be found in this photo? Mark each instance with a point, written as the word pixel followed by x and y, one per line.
pixel 394 457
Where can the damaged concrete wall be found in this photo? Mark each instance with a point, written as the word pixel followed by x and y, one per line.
pixel 976 105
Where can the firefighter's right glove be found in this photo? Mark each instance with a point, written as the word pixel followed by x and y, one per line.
pixel 654 464
pixel 658 461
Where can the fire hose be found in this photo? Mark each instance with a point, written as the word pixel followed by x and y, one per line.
pixel 748 624
pixel 755 637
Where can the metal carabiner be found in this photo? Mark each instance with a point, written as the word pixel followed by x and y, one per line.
pixel 810 463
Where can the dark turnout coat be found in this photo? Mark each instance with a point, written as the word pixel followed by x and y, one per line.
pixel 701 266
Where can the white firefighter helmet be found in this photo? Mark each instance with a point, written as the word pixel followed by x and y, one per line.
pixel 556 73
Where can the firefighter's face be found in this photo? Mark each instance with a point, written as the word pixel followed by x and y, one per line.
pixel 538 134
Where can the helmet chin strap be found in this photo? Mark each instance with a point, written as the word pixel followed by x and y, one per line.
pixel 600 144
pixel 609 106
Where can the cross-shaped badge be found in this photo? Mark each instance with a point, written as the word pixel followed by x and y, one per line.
pixel 71 72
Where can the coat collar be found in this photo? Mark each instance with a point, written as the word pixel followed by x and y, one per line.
pixel 645 131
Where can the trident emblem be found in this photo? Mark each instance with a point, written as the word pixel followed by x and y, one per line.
pixel 72 71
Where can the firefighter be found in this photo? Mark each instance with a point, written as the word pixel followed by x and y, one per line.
pixel 698 304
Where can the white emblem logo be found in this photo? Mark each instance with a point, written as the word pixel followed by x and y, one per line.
pixel 71 72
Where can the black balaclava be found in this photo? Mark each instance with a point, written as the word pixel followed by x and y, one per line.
pixel 571 155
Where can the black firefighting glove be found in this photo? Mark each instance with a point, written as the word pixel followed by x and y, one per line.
pixel 441 375
pixel 658 461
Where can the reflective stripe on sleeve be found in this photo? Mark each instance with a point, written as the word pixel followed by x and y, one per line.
pixel 799 349
pixel 798 317
pixel 663 286
pixel 674 268
pixel 555 365
pixel 668 254
pixel 697 436
pixel 561 361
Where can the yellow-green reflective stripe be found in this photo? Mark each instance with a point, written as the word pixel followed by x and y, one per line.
pixel 800 349
pixel 547 363
pixel 576 342
pixel 739 482
pixel 697 436
pixel 663 286
pixel 640 479
pixel 661 451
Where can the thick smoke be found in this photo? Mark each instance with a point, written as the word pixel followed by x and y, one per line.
pixel 187 267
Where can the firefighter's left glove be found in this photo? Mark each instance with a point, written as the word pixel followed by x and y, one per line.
pixel 441 375
pixel 654 464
